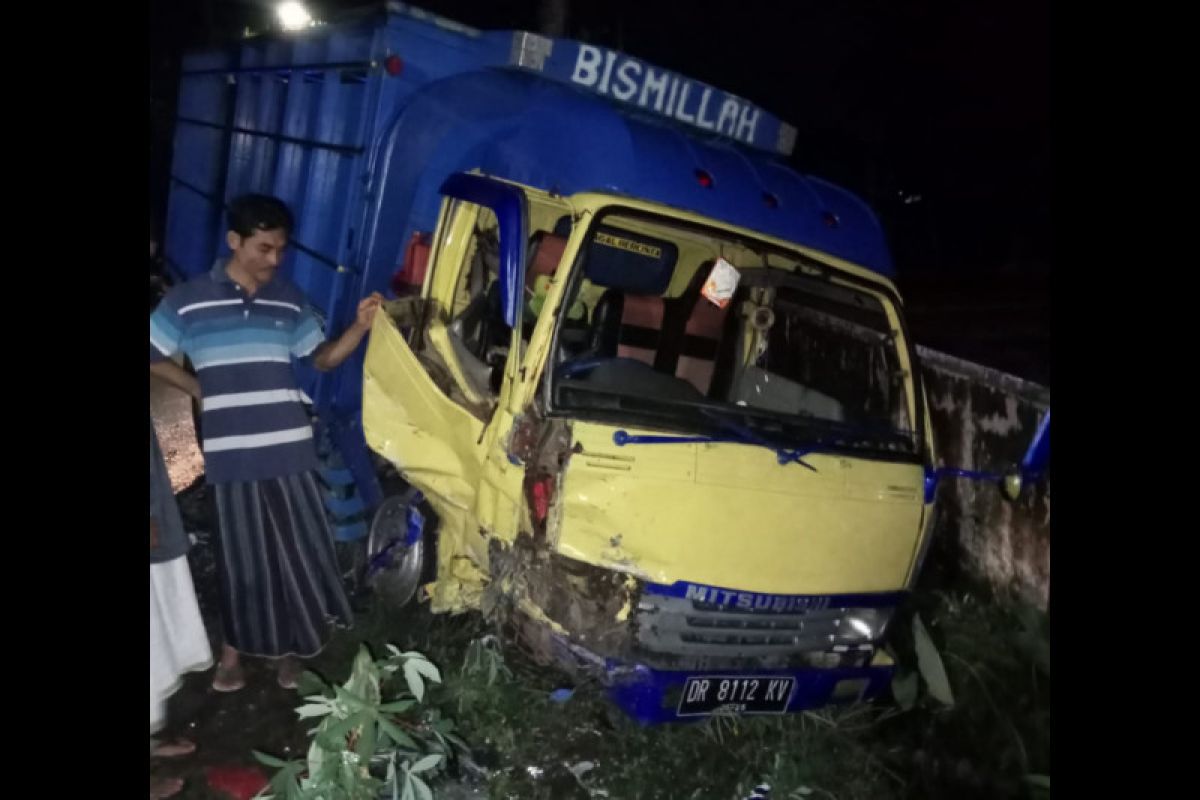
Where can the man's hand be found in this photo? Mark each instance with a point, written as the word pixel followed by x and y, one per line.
pixel 367 309
pixel 331 354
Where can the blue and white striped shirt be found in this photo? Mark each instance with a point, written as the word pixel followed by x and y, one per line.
pixel 252 417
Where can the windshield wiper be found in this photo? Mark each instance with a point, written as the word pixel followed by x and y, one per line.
pixel 843 431
pixel 783 454
pixel 738 435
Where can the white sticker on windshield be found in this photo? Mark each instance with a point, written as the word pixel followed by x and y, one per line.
pixel 721 284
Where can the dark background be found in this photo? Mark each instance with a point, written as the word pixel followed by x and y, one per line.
pixel 934 111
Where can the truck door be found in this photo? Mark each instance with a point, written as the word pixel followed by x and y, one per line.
pixel 435 366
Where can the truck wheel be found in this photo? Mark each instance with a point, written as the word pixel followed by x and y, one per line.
pixel 395 569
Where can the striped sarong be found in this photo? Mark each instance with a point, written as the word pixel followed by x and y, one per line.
pixel 280 587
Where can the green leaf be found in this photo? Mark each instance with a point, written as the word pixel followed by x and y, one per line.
pixel 904 688
pixel 398 706
pixel 413 677
pixel 270 761
pixel 285 780
pixel 426 668
pixel 408 787
pixel 427 763
pixel 310 683
pixel 366 743
pixel 313 710
pixel 396 735
pixel 930 664
pixel 423 790
pixel 352 700
pixel 333 738
pixel 1041 781
pixel 369 786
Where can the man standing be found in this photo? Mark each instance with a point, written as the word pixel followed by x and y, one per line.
pixel 242 325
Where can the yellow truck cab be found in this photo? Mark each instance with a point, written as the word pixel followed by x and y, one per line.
pixel 711 497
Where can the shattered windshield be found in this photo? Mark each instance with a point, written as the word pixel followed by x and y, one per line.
pixel 688 329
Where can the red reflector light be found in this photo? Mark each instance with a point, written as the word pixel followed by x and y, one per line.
pixel 771 200
pixel 830 219
pixel 704 179
pixel 394 65
pixel 542 491
pixel 411 274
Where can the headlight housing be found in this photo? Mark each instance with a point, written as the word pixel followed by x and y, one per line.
pixel 863 625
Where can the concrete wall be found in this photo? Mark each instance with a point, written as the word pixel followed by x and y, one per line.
pixel 984 419
pixel 171 412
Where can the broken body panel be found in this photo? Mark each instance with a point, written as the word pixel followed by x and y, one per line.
pixel 689 575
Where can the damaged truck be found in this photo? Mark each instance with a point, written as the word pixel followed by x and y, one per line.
pixel 648 391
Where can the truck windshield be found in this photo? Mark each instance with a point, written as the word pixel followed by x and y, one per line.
pixel 689 329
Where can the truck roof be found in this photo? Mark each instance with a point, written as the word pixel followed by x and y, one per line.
pixel 563 139
pixel 605 120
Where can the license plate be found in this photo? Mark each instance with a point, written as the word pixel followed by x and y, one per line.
pixel 742 695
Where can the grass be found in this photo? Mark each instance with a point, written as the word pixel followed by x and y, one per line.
pixel 525 745
pixel 994 736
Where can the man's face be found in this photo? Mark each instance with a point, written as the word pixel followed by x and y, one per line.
pixel 259 254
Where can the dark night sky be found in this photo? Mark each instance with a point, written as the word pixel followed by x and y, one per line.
pixel 937 99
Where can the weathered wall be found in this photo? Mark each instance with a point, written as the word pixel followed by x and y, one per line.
pixel 171 412
pixel 984 419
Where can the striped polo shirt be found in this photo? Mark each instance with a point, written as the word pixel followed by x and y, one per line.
pixel 253 420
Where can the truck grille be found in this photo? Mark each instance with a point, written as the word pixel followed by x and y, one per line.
pixel 675 626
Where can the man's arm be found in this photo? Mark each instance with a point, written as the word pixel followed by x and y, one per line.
pixel 330 355
pixel 166 335
pixel 177 376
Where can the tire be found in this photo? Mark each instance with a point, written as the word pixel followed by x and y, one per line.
pixel 395 571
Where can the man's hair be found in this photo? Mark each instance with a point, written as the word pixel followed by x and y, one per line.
pixel 258 212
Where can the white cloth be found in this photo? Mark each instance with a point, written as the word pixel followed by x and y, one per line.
pixel 178 641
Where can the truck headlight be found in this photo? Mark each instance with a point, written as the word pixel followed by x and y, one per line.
pixel 864 624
